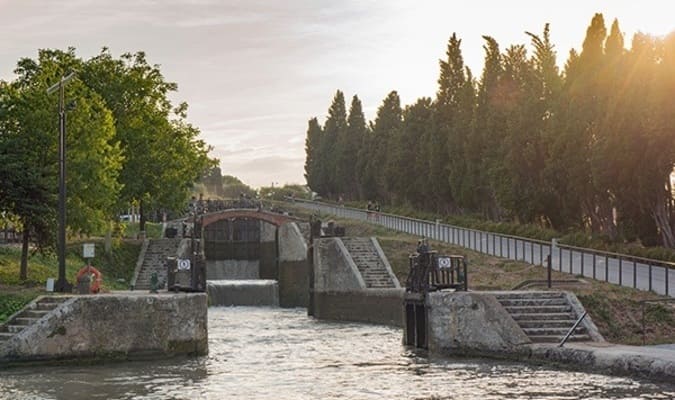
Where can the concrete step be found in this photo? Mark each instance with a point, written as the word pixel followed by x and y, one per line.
pixel 564 324
pixel 556 339
pixel 540 309
pixel 533 302
pixel 23 321
pixel 15 328
pixel 5 336
pixel 54 299
pixel 47 306
pixel 35 313
pixel 529 295
pixel 560 332
pixel 543 316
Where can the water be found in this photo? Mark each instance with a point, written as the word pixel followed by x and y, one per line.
pixel 272 353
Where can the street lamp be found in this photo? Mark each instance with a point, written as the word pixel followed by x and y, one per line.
pixel 62 284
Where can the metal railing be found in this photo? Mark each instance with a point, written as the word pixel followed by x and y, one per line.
pixel 621 269
pixel 430 272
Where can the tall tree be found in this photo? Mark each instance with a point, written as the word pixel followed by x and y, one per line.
pixel 350 148
pixel 150 131
pixel 334 130
pixel 449 128
pixel 386 159
pixel 30 145
pixel 415 183
pixel 313 157
pixel 484 154
pixel 545 91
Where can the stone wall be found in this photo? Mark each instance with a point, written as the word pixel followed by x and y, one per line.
pixel 120 326
pixel 232 269
pixel 334 270
pixel 293 274
pixel 339 292
pixel 470 322
pixel 376 306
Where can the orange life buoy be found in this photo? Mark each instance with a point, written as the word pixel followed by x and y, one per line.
pixel 95 285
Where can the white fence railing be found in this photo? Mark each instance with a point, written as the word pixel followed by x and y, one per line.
pixel 621 269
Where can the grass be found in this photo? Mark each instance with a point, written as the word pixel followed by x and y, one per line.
pixel 116 267
pixel 130 230
pixel 617 311
pixel 12 301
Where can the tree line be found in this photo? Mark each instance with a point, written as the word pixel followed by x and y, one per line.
pixel 590 146
pixel 126 143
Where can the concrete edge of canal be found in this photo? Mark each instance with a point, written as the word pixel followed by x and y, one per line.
pixel 124 326
pixel 475 324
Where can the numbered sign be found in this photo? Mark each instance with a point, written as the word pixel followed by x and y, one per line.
pixel 88 250
pixel 444 263
pixel 183 264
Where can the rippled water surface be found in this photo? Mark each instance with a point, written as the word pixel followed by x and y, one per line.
pixel 271 353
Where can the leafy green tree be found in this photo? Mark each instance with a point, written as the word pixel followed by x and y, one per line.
pixel 162 153
pixel 30 134
pixel 233 187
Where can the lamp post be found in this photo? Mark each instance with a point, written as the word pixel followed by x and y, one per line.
pixel 62 284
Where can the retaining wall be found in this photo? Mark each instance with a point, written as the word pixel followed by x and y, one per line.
pixel 377 306
pixel 118 326
pixel 339 292
pixel 293 274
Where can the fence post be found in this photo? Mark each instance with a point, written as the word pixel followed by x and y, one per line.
pixel 548 270
pixel 466 276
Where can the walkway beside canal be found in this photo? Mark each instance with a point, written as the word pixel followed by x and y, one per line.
pixel 653 362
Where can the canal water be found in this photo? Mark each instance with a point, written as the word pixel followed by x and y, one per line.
pixel 273 353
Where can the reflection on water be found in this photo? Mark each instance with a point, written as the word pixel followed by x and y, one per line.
pixel 271 353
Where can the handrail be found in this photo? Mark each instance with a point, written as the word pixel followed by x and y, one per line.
pixel 624 256
pixel 423 221
pixel 571 331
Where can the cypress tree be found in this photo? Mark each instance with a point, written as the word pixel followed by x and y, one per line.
pixel 334 129
pixel 313 156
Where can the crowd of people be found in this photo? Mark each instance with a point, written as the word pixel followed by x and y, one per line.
pixel 201 206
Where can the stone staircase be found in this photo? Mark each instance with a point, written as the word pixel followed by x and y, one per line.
pixel 155 261
pixel 29 315
pixel 545 317
pixel 368 261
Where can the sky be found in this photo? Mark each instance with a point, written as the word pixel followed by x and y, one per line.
pixel 254 72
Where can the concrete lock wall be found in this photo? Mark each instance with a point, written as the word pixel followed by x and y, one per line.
pixel 115 326
pixel 333 268
pixel 471 322
pixel 268 251
pixel 293 274
pixel 232 269
pixel 376 306
pixel 259 292
pixel 340 292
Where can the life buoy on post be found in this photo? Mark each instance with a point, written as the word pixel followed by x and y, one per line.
pixel 96 280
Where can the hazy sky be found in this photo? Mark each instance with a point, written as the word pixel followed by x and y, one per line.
pixel 253 71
